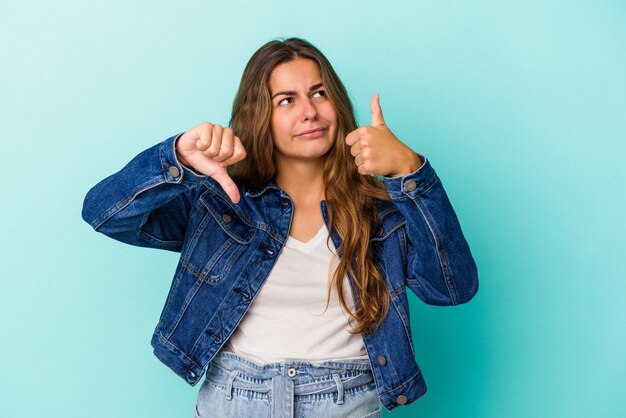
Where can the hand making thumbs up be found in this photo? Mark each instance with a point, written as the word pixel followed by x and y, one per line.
pixel 378 151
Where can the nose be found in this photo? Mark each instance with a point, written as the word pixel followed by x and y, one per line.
pixel 309 112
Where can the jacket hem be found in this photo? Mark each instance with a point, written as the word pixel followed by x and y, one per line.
pixel 174 358
pixel 412 389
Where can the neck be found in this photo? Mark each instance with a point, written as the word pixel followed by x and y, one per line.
pixel 302 180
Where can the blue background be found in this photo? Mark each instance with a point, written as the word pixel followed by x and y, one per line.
pixel 521 109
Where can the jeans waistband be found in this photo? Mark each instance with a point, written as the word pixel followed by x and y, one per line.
pixel 308 377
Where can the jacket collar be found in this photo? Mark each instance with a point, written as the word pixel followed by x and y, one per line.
pixel 259 191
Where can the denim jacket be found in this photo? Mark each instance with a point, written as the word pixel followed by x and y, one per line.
pixel 227 251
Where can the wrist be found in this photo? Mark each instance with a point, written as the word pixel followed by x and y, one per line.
pixel 181 159
pixel 412 164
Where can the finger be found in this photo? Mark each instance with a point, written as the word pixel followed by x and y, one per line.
pixel 353 137
pixel 377 111
pixel 239 153
pixel 358 160
pixel 226 150
pixel 228 185
pixel 216 141
pixel 206 134
pixel 355 149
pixel 361 169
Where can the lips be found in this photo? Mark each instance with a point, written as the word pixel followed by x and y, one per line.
pixel 311 130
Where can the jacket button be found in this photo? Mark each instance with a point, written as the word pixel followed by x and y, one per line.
pixel 382 360
pixel 291 372
pixel 401 399
pixel 226 217
pixel 410 185
pixel 174 171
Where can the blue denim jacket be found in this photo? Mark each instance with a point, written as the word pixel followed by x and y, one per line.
pixel 227 251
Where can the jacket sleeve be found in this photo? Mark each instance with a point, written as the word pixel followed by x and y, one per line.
pixel 147 203
pixel 440 268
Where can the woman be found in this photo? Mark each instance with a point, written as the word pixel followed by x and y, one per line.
pixel 290 291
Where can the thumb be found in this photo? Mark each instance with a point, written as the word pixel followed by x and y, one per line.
pixel 228 185
pixel 377 111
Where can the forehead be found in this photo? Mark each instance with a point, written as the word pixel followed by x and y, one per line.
pixel 299 73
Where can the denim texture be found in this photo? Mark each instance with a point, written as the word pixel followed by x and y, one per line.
pixel 238 387
pixel 227 251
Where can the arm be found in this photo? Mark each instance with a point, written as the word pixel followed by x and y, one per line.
pixel 439 265
pixel 147 203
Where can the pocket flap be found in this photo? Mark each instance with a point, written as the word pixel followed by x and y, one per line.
pixel 230 219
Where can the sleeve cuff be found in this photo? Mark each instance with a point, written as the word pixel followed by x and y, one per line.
pixel 412 184
pixel 174 171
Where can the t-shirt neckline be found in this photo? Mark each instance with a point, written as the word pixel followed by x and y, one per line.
pixel 295 243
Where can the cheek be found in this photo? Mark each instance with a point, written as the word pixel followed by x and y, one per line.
pixel 279 125
pixel 275 125
pixel 328 112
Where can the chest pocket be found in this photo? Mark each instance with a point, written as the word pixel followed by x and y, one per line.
pixel 234 223
pixel 388 248
pixel 389 221
pixel 221 240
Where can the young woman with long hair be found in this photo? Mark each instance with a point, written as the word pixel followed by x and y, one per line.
pixel 299 233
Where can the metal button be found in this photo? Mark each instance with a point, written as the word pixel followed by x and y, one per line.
pixel 192 374
pixel 226 217
pixel 401 399
pixel 174 171
pixel 410 185
pixel 269 251
pixel 291 372
pixel 382 360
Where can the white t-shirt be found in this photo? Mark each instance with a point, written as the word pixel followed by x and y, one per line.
pixel 286 320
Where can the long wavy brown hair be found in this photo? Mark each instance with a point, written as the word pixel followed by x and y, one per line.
pixel 350 196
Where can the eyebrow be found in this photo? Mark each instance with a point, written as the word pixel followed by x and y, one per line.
pixel 293 93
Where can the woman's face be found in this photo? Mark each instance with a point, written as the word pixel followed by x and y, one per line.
pixel 300 104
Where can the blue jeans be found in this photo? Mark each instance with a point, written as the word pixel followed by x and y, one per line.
pixel 238 387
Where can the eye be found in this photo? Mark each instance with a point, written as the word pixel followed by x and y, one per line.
pixel 322 92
